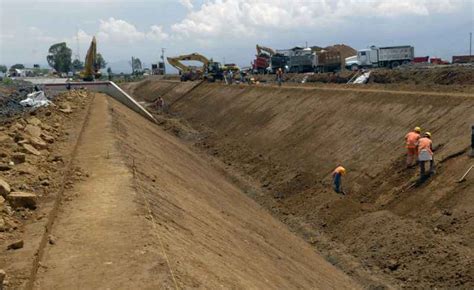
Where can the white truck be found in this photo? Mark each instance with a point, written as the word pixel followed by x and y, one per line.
pixel 390 56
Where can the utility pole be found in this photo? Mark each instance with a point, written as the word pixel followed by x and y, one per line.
pixel 470 46
pixel 163 60
pixel 78 56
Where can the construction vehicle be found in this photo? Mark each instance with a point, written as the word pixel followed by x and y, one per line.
pixel 392 56
pixel 91 67
pixel 329 61
pixel 463 58
pixel 262 59
pixel 210 70
pixel 302 60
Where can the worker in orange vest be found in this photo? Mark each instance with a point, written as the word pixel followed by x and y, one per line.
pixel 411 139
pixel 425 153
pixel 336 178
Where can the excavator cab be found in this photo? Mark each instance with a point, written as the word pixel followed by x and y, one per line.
pixel 214 72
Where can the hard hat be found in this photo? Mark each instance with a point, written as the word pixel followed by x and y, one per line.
pixel 343 171
pixel 428 134
pixel 417 129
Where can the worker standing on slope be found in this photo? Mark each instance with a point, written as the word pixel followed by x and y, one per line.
pixel 411 140
pixel 336 178
pixel 279 76
pixel 425 153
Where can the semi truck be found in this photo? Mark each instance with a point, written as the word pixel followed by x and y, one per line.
pixel 389 56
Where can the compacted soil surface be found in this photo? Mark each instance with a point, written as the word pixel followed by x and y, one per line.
pixel 282 143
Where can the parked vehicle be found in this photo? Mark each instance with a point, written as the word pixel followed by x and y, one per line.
pixel 277 61
pixel 463 58
pixel 328 61
pixel 261 63
pixel 302 60
pixel 391 56
pixel 421 59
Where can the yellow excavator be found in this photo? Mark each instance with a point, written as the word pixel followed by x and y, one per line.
pixel 210 70
pixel 91 67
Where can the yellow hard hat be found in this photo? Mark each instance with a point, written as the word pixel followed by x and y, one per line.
pixel 417 129
pixel 428 134
pixel 343 171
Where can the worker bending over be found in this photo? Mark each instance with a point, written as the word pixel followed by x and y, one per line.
pixel 411 141
pixel 425 153
pixel 336 178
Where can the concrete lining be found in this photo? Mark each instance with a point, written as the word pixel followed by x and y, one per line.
pixel 108 87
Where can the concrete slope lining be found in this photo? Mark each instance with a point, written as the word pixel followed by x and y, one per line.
pixel 109 88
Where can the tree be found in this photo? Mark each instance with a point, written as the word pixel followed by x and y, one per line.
pixel 100 61
pixel 59 57
pixel 3 68
pixel 17 66
pixel 77 65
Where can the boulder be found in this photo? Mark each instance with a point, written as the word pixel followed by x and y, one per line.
pixel 5 167
pixel 66 108
pixel 4 138
pixel 30 149
pixel 4 188
pixel 16 245
pixel 33 131
pixel 19 199
pixel 3 275
pixel 47 138
pixel 38 143
pixel 3 225
pixel 17 126
pixel 34 121
pixel 18 158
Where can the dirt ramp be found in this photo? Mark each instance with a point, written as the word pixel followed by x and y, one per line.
pixel 290 139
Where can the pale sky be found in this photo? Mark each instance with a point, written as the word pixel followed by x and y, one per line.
pixel 228 29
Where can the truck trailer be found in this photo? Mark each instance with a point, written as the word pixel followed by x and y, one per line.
pixel 390 56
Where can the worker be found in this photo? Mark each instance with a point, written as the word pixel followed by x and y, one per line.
pixel 425 153
pixel 411 139
pixel 336 178
pixel 160 104
pixel 279 76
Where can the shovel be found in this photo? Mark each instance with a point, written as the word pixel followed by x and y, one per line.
pixel 463 178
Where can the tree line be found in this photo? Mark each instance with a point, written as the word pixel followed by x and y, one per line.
pixel 60 59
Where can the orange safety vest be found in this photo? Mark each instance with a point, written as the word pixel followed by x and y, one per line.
pixel 339 170
pixel 425 144
pixel 411 139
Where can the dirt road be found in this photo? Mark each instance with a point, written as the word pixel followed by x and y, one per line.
pixel 151 214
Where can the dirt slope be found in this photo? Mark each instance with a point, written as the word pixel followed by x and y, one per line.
pixel 214 236
pixel 289 140
pixel 153 214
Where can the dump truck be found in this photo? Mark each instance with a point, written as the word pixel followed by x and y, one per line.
pixel 390 56
pixel 262 59
pixel 278 61
pixel 302 60
pixel 328 61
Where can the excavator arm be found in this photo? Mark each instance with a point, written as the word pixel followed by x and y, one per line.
pixel 266 50
pixel 177 61
pixel 91 70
